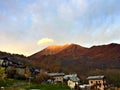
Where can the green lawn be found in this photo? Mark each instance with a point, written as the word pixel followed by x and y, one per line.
pixel 22 85
pixel 39 87
pixel 50 87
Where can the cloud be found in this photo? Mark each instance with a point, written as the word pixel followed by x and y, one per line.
pixel 45 41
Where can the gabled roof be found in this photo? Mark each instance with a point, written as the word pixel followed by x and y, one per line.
pixel 56 74
pixel 12 59
pixel 74 79
pixel 70 75
pixel 15 62
pixel 95 77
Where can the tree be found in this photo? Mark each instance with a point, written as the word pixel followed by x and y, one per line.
pixel 27 73
pixel 2 73
pixel 43 77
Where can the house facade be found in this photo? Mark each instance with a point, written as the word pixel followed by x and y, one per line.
pixel 57 77
pixel 1 62
pixel 4 62
pixel 72 81
pixel 97 82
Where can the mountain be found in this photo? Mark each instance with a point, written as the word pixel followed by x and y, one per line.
pixel 73 50
pixel 105 52
pixel 51 50
pixel 73 58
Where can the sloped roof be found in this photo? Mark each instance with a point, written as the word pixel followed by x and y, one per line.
pixel 15 62
pixel 12 59
pixel 74 79
pixel 96 77
pixel 56 74
pixel 70 75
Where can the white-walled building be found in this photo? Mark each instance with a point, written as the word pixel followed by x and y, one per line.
pixel 72 80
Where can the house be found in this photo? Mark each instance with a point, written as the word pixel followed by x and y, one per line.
pixel 13 68
pixel 97 82
pixel 4 62
pixel 57 77
pixel 72 81
pixel 16 68
pixel 34 72
pixel 15 72
pixel 10 61
pixel 1 61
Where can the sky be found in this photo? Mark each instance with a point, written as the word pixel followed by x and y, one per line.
pixel 28 26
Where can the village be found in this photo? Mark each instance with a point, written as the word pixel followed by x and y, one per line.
pixel 59 44
pixel 17 70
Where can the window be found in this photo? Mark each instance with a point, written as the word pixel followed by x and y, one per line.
pixel 96 82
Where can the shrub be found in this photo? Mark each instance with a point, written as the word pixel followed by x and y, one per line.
pixel 41 78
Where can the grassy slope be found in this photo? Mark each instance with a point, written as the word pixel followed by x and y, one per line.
pixel 50 87
pixel 22 85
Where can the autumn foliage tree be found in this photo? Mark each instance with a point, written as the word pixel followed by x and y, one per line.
pixel 27 73
pixel 2 73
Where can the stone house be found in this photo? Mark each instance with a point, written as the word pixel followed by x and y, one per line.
pixel 56 77
pixel 97 82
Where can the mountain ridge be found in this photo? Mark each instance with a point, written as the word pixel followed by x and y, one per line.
pixel 74 50
pixel 77 59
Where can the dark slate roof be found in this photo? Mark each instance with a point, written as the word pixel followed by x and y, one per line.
pixel 95 77
pixel 15 62
pixel 12 59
